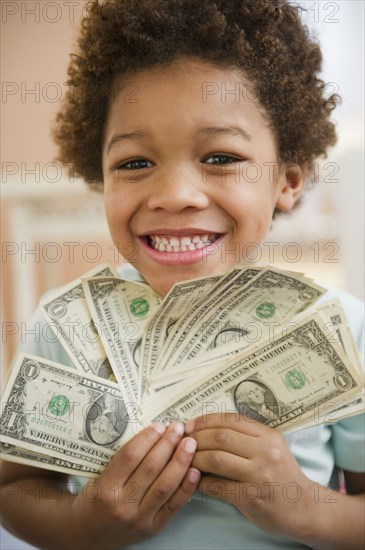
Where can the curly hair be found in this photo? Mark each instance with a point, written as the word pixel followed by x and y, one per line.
pixel 264 38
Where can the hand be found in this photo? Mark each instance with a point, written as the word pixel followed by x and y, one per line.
pixel 146 483
pixel 257 472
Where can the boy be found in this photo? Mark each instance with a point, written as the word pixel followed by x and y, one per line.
pixel 172 158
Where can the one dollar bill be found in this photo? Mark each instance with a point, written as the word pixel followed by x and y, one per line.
pixel 281 383
pixel 70 318
pixel 51 409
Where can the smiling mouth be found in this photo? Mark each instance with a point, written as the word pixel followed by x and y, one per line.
pixel 180 243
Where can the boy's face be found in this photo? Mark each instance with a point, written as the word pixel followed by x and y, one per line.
pixel 191 172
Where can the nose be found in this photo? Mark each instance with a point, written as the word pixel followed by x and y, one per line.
pixel 177 190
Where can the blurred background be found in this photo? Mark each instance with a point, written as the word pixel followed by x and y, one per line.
pixel 53 229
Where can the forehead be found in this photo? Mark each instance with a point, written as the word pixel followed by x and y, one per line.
pixel 188 94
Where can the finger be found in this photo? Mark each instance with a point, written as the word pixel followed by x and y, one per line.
pixel 232 421
pixel 227 440
pixel 171 477
pixel 232 492
pixel 222 464
pixel 156 459
pixel 178 500
pixel 128 458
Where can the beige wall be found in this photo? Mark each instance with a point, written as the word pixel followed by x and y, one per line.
pixel 34 56
pixel 39 207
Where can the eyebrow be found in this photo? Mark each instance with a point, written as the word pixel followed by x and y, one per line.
pixel 209 131
pixel 231 130
pixel 121 137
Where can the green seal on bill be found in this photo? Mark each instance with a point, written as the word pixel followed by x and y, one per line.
pixel 294 379
pixel 59 405
pixel 265 310
pixel 139 307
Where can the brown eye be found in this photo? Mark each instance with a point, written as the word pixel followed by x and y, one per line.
pixel 134 164
pixel 222 159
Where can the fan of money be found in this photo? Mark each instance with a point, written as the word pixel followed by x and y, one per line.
pixel 253 341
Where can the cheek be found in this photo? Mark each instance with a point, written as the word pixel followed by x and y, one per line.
pixel 117 210
pixel 250 211
pixel 119 213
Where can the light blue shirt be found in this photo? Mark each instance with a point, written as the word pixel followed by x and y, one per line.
pixel 207 523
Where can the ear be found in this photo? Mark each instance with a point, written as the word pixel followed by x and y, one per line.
pixel 291 185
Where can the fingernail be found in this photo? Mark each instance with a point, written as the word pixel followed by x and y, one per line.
pixel 159 427
pixel 190 445
pixel 193 475
pixel 189 426
pixel 177 427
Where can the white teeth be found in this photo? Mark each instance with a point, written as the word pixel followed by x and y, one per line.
pixel 165 243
